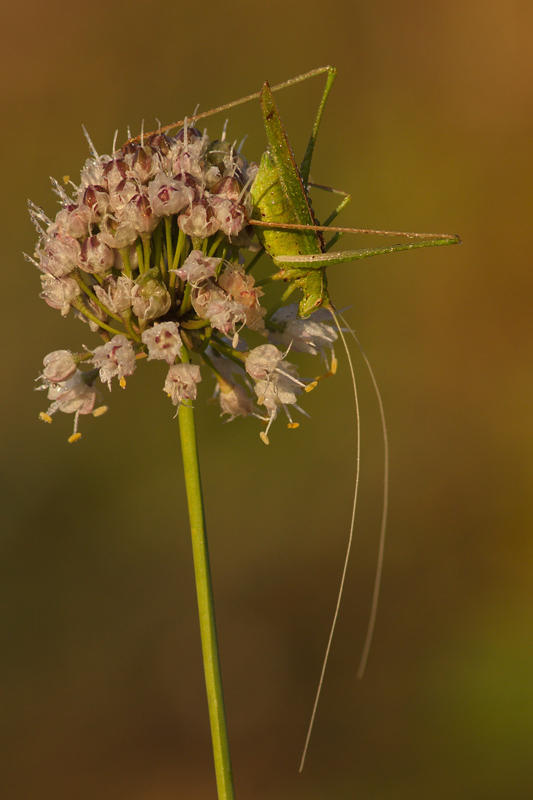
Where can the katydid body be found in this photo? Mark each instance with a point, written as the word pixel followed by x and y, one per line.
pixel 280 198
pixel 288 231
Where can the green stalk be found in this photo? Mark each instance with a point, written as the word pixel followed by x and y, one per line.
pixel 204 591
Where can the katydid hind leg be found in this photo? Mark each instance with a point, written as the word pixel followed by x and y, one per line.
pixel 346 200
pixel 305 167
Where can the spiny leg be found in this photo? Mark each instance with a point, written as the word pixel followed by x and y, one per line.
pixel 305 167
pixel 347 199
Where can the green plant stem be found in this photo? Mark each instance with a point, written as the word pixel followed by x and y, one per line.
pixel 204 590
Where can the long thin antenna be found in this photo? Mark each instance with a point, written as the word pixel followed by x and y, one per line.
pixel 350 540
pixel 254 96
pixel 379 567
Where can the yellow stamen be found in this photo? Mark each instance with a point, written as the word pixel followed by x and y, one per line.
pixel 74 438
pixel 264 437
pixel 329 374
pixel 99 411
pixel 122 382
pixel 45 417
pixel 292 425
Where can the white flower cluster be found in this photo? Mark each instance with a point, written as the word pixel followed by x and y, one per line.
pixel 149 251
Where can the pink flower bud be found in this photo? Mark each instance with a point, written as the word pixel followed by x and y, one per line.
pixel 115 171
pixel 96 199
pixel 231 216
pixel 199 221
pixel 122 194
pixel 169 196
pixel 150 298
pixel 138 212
pixel 117 234
pixel 96 256
pixel 59 292
pixel 212 303
pixel 145 163
pixel 160 142
pixel 61 255
pixel 59 366
pixel 73 220
pixel 241 287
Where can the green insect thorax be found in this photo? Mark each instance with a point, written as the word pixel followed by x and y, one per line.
pixel 274 204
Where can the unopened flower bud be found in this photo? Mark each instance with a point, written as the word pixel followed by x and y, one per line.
pixel 145 163
pixel 59 292
pixel 61 255
pixel 139 212
pixel 220 155
pixel 117 234
pixel 199 221
pixel 96 256
pixel 188 134
pixel 229 187
pixel 150 297
pixel 96 199
pixel 160 142
pixel 241 287
pixel 213 303
pixel 168 195
pixel 115 171
pixel 59 366
pixel 122 194
pixel 73 220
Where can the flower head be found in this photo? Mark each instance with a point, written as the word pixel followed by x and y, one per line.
pixel 149 249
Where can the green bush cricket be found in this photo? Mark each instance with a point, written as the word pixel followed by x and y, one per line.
pixel 291 235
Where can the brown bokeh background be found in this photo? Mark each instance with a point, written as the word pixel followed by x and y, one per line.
pixel 430 127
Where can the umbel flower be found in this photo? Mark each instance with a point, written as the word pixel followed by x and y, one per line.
pixel 150 250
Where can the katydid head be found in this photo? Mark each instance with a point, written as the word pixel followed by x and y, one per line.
pixel 315 293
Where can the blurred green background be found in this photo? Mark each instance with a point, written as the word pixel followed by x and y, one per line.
pixel 430 127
